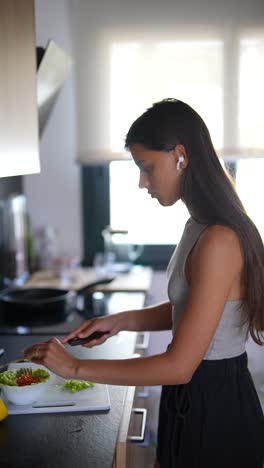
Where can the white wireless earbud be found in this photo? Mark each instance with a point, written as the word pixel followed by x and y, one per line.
pixel 180 160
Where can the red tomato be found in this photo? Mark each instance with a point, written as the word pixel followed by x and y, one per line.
pixel 26 379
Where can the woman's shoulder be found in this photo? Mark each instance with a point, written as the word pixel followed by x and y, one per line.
pixel 219 243
pixel 220 233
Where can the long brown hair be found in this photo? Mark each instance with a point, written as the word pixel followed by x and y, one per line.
pixel 207 191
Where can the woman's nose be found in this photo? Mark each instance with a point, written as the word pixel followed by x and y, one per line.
pixel 143 181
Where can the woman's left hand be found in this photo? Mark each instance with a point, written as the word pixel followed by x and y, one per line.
pixel 53 355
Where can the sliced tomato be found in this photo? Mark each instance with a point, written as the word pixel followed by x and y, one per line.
pixel 26 379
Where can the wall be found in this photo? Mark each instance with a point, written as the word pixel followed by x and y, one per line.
pixel 53 196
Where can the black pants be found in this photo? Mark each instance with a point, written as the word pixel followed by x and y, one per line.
pixel 214 421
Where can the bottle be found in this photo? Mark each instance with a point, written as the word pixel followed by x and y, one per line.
pixel 14 221
pixel 45 248
pixel 3 410
pixel 29 244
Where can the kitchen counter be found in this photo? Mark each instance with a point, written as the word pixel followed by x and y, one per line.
pixel 65 439
pixel 85 439
pixel 137 279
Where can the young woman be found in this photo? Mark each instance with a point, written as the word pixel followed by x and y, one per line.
pixel 210 415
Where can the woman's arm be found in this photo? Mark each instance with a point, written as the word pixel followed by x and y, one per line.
pixel 217 264
pixel 152 318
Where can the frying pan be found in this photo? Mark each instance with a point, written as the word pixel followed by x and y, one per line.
pixel 41 306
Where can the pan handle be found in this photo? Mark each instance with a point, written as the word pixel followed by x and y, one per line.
pixel 6 290
pixel 103 280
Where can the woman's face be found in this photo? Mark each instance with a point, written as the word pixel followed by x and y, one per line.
pixel 158 173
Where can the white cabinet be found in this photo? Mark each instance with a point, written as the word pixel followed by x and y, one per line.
pixel 19 152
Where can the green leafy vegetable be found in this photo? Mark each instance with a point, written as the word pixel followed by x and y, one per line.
pixel 41 374
pixel 9 377
pixel 77 385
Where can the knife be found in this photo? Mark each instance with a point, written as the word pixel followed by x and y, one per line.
pixel 73 342
pixel 94 336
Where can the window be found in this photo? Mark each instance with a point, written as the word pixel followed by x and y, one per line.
pixel 149 223
pixel 249 183
pixel 251 94
pixel 145 72
pixel 142 73
pixel 249 174
pixel 132 209
pixel 221 75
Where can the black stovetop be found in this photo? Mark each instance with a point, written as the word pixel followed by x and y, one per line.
pixel 100 305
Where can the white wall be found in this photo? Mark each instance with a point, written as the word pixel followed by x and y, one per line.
pixel 53 196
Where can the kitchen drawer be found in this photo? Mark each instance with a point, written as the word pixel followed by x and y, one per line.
pixel 141 349
pixel 133 448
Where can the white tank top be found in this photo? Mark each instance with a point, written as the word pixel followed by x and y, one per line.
pixel 230 336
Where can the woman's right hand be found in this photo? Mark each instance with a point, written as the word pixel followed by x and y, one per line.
pixel 109 325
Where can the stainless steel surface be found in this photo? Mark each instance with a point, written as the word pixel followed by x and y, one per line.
pixel 13 211
pixel 118 245
pixel 53 70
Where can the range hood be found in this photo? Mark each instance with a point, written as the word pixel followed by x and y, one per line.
pixel 53 67
pixel 19 86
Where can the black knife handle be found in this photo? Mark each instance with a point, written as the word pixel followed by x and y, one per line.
pixel 94 336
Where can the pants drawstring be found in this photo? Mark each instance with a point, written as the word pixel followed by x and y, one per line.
pixel 177 405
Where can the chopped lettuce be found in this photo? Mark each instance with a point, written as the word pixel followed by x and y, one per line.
pixel 77 385
pixel 41 374
pixel 8 378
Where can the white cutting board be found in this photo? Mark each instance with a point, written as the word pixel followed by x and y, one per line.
pixel 56 400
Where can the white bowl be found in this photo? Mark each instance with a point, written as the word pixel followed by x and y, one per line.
pixel 24 395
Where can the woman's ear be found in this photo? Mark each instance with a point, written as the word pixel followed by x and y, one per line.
pixel 180 156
